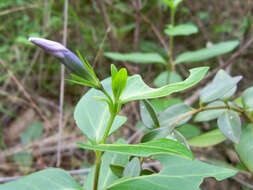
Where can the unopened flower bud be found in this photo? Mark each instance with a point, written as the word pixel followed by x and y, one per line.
pixel 68 58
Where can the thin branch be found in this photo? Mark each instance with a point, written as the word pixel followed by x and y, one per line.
pixel 64 41
pixel 22 89
pixel 137 7
pixel 107 24
pixel 15 9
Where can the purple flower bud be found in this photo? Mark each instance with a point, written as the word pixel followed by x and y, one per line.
pixel 68 58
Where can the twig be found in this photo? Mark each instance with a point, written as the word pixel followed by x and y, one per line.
pixel 137 6
pixel 107 24
pixel 244 183
pixel 26 94
pixel 18 9
pixel 64 41
pixel 157 33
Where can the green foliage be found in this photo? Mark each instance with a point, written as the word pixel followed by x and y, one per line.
pixel 177 174
pixel 217 89
pixel 207 139
pixel 148 115
pixel 119 81
pixel 230 125
pixel 53 178
pixel 92 116
pixel 161 146
pixel 247 98
pixel 170 116
pixel 245 145
pixel 144 92
pixel 143 58
pixel 181 30
pixel 107 176
pixel 133 168
pixel 165 78
pixel 207 53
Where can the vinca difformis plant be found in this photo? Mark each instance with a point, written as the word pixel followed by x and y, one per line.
pixel 119 165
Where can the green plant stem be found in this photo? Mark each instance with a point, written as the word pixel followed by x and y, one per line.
pixel 107 95
pixel 97 169
pixel 108 127
pixel 172 23
pixel 99 153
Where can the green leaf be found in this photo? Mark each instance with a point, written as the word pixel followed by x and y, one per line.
pixel 137 57
pixel 207 53
pixel 133 168
pixel 173 113
pixel 136 89
pixel 210 114
pixel 177 174
pixel 117 170
pixel 114 71
pixel 34 132
pixel 48 179
pixel 106 176
pixel 219 88
pixel 207 139
pixel 162 104
pixel 148 115
pixel 181 30
pixel 230 125
pixel 161 132
pixel 119 82
pixel 161 146
pixel 165 78
pixel 221 76
pixel 92 116
pixel 245 146
pixel 247 98
pixel 189 131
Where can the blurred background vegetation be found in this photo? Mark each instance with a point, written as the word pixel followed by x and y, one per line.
pixel 30 79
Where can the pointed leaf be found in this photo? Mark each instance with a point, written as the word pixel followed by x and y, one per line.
pixel 207 53
pixel 177 174
pixel 161 146
pixel 119 83
pixel 136 89
pixel 230 125
pixel 56 179
pixel 220 76
pixel 207 139
pixel 136 57
pixel 181 30
pixel 217 90
pixel 148 115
